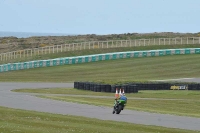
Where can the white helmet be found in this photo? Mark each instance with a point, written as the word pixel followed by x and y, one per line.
pixel 123 94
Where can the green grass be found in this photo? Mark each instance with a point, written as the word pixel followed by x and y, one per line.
pixel 14 120
pixel 133 69
pixel 184 103
pixel 96 51
pixel 164 94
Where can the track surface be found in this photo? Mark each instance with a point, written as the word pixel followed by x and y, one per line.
pixel 30 102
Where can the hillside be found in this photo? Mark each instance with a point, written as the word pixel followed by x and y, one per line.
pixel 13 43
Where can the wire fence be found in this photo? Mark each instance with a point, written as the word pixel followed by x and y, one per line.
pixel 96 45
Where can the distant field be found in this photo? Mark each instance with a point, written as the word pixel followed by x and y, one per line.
pixel 97 51
pixel 133 69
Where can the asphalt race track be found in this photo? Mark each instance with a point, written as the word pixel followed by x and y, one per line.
pixel 30 102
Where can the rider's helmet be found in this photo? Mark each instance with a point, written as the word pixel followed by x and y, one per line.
pixel 122 94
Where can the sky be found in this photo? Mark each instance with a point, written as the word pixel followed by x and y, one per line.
pixel 100 16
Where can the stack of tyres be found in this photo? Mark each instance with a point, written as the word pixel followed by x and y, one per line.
pixel 76 85
pixel 103 88
pixel 125 88
pixel 86 86
pixel 193 87
pixel 108 88
pixel 198 86
pixel 98 88
pixel 128 88
pixel 95 87
pixel 113 88
pixel 133 88
pixel 91 87
pixel 81 85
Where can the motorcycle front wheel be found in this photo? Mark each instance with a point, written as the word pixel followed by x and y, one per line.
pixel 119 109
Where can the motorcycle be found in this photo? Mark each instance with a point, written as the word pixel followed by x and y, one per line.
pixel 119 106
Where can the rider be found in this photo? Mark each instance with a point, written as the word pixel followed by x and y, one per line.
pixel 122 97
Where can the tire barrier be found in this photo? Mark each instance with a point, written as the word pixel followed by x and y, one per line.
pixel 96 87
pixel 94 58
pixel 194 87
pixel 135 87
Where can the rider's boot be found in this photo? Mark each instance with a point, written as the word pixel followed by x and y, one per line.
pixel 113 109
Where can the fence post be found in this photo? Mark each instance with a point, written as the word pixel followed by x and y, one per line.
pixel 31 52
pixel 75 46
pixel 107 44
pixel 65 47
pixel 144 42
pixel 159 41
pixel 112 44
pixel 199 40
pixel 193 40
pixel 135 42
pixel 164 41
pixel 187 40
pixel 1 56
pixel 139 41
pixel 53 49
pixel 61 47
pixel 121 43
pixel 6 56
pixel 181 41
pixel 175 40
pixel 130 42
pixel 11 53
pixel 154 41
pixel 42 50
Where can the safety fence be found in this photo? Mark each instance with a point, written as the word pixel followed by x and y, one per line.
pixel 96 45
pixel 94 58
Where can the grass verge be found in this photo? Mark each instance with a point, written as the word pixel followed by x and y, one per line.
pixel 14 120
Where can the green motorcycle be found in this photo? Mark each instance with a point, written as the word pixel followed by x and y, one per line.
pixel 119 106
